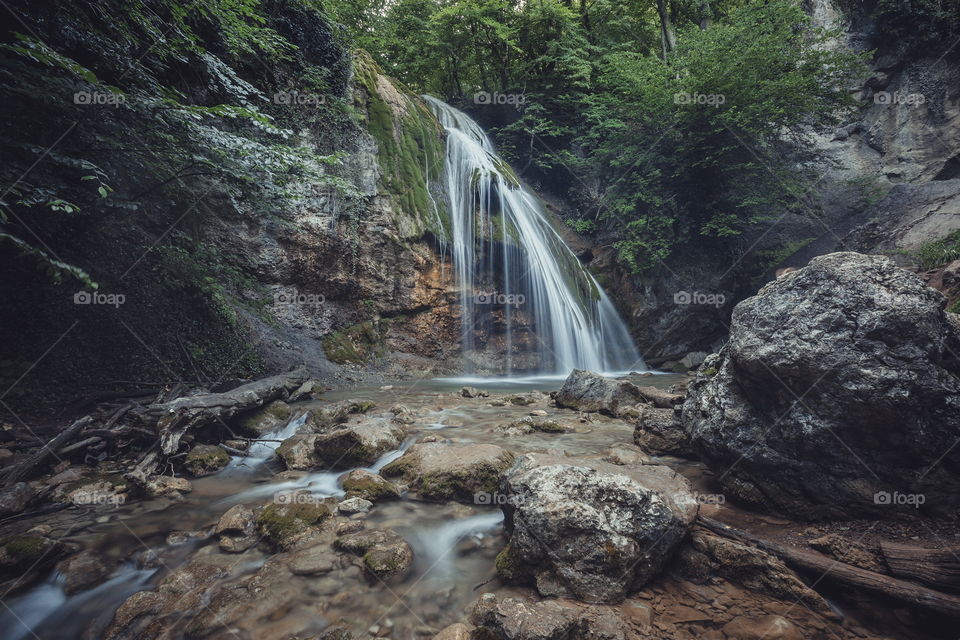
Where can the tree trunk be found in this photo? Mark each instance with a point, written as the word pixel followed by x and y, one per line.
pixel 668 37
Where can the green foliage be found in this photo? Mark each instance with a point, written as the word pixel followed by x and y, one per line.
pixel 939 252
pixel 919 27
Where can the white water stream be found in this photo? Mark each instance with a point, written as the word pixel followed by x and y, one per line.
pixel 548 301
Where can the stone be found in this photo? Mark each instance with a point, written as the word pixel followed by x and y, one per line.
pixel 83 570
pixel 262 421
pixel 660 398
pixel 837 396
pixel 354 505
pixel 166 487
pixel 15 498
pixel 589 529
pixel 660 432
pixel 307 391
pixel 693 359
pixel 770 627
pixel 385 553
pixel 298 452
pixel 473 392
pixel 534 424
pixel 448 471
pixel 625 454
pixel 369 486
pixel 456 631
pixel 237 529
pixel 312 561
pixel 283 525
pixel 524 618
pixel 205 460
pixel 588 391
pixel 358 444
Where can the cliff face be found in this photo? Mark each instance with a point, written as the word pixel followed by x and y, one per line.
pixel 203 213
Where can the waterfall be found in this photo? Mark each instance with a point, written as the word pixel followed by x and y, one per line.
pixel 528 283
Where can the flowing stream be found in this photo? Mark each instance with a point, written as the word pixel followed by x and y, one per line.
pixel 528 282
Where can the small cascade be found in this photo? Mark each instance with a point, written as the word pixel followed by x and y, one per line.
pixel 435 547
pixel 528 283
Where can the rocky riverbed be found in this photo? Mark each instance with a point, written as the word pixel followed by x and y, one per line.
pixel 415 543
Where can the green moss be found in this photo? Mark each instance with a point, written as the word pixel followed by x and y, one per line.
pixel 265 419
pixel 362 406
pixel 281 524
pixel 356 343
pixel 399 467
pixel 205 459
pixel 507 565
pixel 370 488
pixel 710 372
pixel 25 549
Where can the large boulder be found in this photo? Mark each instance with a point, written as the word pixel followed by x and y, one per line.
pixel 357 444
pixel 588 391
pixel 589 529
pixel 447 471
pixel 837 395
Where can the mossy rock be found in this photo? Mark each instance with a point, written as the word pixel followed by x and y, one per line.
pixel 369 486
pixel 385 553
pixel 205 459
pixel 357 343
pixel 282 524
pixel 266 419
pixel 27 554
pixel 507 565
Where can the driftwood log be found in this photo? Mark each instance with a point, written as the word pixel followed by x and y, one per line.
pixel 165 420
pixel 829 569
pixel 175 418
pixel 938 568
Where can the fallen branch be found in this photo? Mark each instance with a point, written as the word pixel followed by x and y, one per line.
pixel 938 568
pixel 20 470
pixel 827 568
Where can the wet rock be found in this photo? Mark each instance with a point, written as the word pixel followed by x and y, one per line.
pixel 83 570
pixel 660 432
pixel 385 553
pixel 354 505
pixel 589 529
pixel 329 416
pixel 206 459
pixel 525 399
pixel 312 561
pixel 518 618
pixel 693 359
pixel 457 631
pixel 370 486
pixel 402 414
pixel 6 457
pixel 283 525
pixel 588 391
pixel 770 627
pixel 109 490
pixel 837 395
pixel 473 392
pixel 660 398
pixel 15 499
pixel 166 487
pixel 625 454
pixel 358 444
pixel 447 471
pixel 25 557
pixel 534 424
pixel 298 452
pixel 307 391
pixel 349 526
pixel 266 419
pixel 237 529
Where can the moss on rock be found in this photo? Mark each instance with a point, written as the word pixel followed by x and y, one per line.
pixel 282 524
pixel 205 459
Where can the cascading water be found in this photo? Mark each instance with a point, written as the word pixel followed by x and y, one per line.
pixel 544 293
